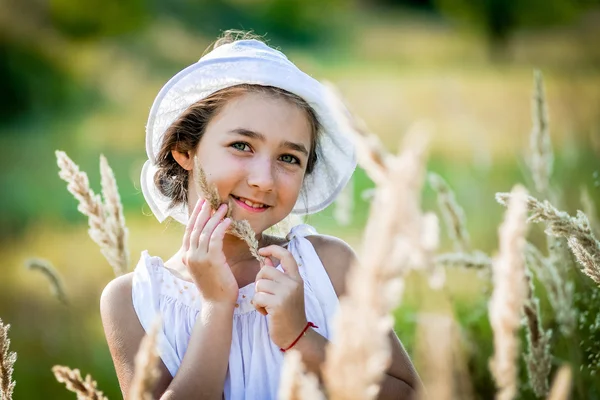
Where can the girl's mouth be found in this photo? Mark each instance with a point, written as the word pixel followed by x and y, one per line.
pixel 249 205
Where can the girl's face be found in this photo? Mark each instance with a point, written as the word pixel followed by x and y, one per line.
pixel 255 151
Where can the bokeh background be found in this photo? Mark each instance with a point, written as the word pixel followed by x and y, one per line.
pixel 80 76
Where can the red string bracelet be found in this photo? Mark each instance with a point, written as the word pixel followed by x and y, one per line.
pixel 308 325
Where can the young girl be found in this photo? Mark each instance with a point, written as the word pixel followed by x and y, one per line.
pixel 265 137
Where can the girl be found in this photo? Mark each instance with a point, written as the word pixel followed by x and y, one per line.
pixel 268 142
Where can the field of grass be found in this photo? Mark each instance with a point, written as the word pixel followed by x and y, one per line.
pixel 392 71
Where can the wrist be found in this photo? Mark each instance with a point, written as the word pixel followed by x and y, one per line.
pixel 213 308
pixel 305 331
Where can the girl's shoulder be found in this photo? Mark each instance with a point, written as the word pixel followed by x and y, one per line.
pixel 336 256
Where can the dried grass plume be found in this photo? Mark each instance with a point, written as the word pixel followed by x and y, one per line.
pixel 7 362
pixel 146 365
pixel 508 296
pixel 107 225
pixel 85 389
pixel 296 383
pixel 56 283
pixel 576 230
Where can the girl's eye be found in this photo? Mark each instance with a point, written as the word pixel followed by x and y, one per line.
pixel 240 146
pixel 288 158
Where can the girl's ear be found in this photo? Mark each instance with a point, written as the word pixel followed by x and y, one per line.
pixel 184 159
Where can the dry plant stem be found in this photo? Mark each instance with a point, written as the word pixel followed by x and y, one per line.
pixel 56 284
pixel 146 365
pixel 359 354
pixel 576 230
pixel 561 386
pixel 508 296
pixel 115 220
pixel 538 358
pixel 7 361
pixel 85 389
pixel 296 383
pixel 453 214
pixel 91 205
pixel 541 156
pixel 475 260
pixel 559 290
pixel 240 229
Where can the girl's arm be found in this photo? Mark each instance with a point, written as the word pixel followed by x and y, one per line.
pixel 201 374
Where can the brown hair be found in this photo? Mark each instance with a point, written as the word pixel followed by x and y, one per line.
pixel 185 133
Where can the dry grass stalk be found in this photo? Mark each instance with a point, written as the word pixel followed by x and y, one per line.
pixel 146 365
pixel 359 353
pixel 541 156
pixel 576 230
pixel 538 358
pixel 475 260
pixel 559 290
pixel 371 154
pixel 508 296
pixel 240 229
pixel 453 214
pixel 589 208
pixel 91 205
pixel 344 205
pixel 56 284
pixel 561 386
pixel 85 389
pixel 115 220
pixel 443 367
pixel 296 383
pixel 7 361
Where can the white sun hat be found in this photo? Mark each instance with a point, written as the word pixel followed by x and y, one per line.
pixel 253 62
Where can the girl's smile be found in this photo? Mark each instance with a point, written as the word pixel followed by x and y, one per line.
pixel 249 205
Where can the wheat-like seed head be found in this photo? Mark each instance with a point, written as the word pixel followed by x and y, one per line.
pixel 115 220
pixel 7 361
pixel 85 389
pixel 538 358
pixel 240 229
pixel 541 156
pixel 146 365
pixel 558 289
pixel 576 230
pixel 453 214
pixel 508 296
pixel 110 236
pixel 296 383
pixel 359 353
pixel 56 284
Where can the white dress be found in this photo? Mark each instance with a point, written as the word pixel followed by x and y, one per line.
pixel 254 360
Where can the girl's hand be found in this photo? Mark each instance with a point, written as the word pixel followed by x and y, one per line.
pixel 204 257
pixel 282 294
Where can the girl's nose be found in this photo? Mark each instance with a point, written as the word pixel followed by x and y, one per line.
pixel 260 175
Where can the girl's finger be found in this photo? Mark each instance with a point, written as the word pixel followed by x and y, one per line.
pixel 199 224
pixel 271 273
pixel 263 300
pixel 288 263
pixel 210 226
pixel 267 286
pixel 215 246
pixel 191 223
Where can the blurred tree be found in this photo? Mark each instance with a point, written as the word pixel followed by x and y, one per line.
pixel 499 18
pixel 292 21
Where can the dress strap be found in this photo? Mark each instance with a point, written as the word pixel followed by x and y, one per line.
pixel 312 270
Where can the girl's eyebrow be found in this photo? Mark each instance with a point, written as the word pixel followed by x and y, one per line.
pixel 259 136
